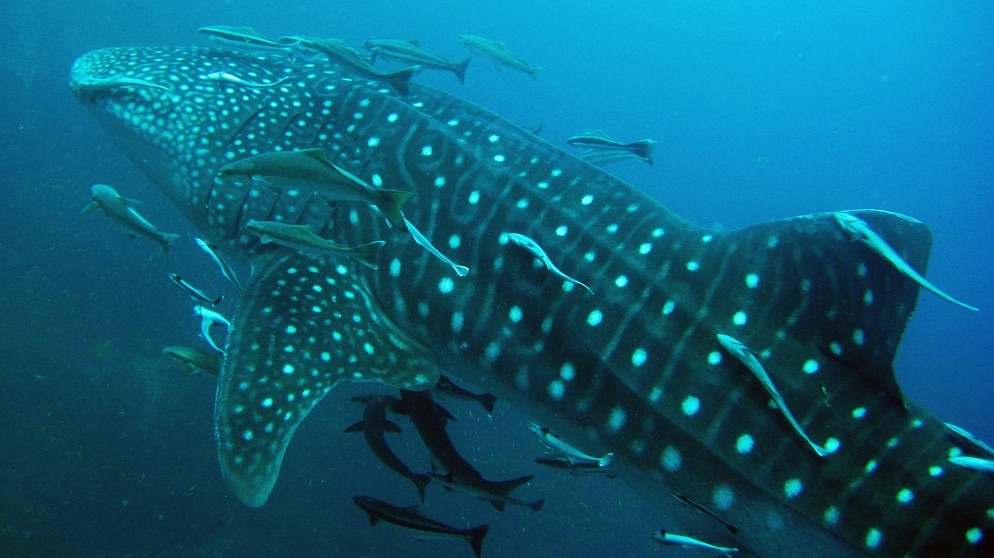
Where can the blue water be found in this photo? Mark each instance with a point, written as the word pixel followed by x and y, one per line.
pixel 761 112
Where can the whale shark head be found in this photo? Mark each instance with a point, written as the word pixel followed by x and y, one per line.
pixel 635 362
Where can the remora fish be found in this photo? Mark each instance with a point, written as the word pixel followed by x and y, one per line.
pixel 458 474
pixel 572 454
pixel 737 349
pixel 349 58
pixel 303 239
pixel 375 424
pixel 971 442
pixel 222 263
pixel 604 158
pixel 859 230
pixel 231 78
pixel 122 210
pixel 498 53
pixel 637 367
pixel 598 140
pixel 194 361
pixel 411 51
pixel 497 493
pixel 94 85
pixel 410 519
pixel 664 537
pixel 430 425
pixel 537 251
pixel 240 36
pixel 310 169
pixel 579 469
pixel 975 463
pixel 209 319
pixel 193 292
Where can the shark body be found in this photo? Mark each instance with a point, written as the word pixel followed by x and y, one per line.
pixel 637 368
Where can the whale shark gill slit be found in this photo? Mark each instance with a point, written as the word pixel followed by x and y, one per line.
pixel 636 368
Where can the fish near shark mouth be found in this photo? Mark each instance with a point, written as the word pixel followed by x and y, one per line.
pixel 634 360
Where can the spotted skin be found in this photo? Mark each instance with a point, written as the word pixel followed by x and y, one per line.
pixel 636 368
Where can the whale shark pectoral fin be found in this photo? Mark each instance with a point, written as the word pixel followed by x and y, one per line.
pixel 302 328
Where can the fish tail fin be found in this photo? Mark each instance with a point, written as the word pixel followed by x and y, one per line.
pixel 167 240
pixel 644 149
pixel 606 460
pixel 488 400
pixel 476 535
pixel 400 79
pixel 506 487
pixel 421 482
pixel 459 69
pixel 389 205
pixel 368 254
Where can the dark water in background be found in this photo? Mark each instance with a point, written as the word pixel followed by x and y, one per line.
pixel 760 113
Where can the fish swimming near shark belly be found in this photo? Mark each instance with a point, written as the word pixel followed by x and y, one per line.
pixel 638 366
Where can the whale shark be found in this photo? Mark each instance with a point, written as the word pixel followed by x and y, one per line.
pixel 637 369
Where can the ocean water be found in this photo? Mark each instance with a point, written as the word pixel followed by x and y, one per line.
pixel 761 112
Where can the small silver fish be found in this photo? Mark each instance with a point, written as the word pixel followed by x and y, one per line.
pixel 974 443
pixel 240 36
pixel 231 78
pixel 663 537
pixel 498 54
pixel 738 350
pixel 310 169
pixel 859 230
pixel 305 241
pixel 573 455
pixel 603 158
pixel 537 251
pixel 194 293
pixel 597 140
pixel 210 318
pixel 194 361
pixel 349 58
pixel 117 80
pixel 975 463
pixel 122 210
pixel 226 269
pixel 411 51
pixel 423 241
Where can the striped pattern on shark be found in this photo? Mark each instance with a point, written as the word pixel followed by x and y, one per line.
pixel 638 367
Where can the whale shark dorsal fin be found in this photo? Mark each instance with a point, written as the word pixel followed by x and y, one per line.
pixel 848 304
pixel 303 327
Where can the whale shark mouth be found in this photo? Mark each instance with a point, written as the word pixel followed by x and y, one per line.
pixel 635 361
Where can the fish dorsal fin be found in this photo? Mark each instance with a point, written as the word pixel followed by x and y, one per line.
pixel 302 328
pixel 832 293
pixel 315 153
pixel 414 42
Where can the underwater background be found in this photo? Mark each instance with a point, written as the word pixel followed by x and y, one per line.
pixel 761 110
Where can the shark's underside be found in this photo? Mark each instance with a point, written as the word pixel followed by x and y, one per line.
pixel 636 366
